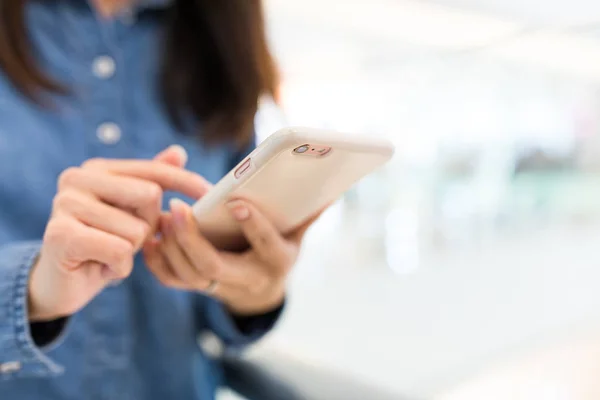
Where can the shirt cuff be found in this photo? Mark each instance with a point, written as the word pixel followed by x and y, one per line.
pixel 239 331
pixel 47 334
pixel 248 325
pixel 19 356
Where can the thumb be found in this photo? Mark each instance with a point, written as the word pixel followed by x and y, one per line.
pixel 174 155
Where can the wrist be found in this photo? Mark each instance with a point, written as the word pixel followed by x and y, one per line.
pixel 39 313
pixel 247 307
pixel 39 310
pixel 33 305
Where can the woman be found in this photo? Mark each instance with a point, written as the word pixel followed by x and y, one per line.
pixel 93 303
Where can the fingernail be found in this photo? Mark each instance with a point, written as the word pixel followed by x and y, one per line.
pixel 178 208
pixel 180 150
pixel 239 210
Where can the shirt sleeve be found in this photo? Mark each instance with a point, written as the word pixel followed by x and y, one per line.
pixel 238 332
pixel 20 357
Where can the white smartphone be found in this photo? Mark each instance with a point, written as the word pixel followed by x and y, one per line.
pixel 290 177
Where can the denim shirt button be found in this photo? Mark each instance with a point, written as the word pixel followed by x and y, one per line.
pixel 104 67
pixel 10 367
pixel 109 133
pixel 211 344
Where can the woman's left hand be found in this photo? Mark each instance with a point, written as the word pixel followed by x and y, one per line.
pixel 248 283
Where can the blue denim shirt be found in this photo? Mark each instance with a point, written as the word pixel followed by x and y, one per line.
pixel 137 339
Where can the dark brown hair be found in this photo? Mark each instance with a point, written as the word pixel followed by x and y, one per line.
pixel 216 63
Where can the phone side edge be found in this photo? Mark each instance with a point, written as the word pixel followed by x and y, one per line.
pixel 259 158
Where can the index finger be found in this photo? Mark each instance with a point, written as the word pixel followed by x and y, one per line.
pixel 169 177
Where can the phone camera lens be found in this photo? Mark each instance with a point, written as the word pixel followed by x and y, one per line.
pixel 301 149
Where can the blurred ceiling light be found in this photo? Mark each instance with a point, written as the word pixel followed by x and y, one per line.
pixel 536 12
pixel 573 55
pixel 399 23
pixel 340 64
pixel 407 21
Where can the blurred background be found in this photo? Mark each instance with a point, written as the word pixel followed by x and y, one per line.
pixel 467 268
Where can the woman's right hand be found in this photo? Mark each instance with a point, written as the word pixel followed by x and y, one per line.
pixel 102 214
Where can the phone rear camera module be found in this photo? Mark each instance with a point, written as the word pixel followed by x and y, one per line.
pixel 301 149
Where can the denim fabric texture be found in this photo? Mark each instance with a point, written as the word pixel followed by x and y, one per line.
pixel 137 339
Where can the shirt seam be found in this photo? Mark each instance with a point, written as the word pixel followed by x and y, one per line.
pixel 30 352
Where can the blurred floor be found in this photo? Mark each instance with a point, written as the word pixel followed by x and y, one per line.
pixel 565 370
pixel 458 313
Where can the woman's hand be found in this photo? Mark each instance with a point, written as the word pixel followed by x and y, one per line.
pixel 102 214
pixel 247 283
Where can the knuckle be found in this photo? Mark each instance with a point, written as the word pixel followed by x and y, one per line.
pixel 121 252
pixel 66 199
pixel 124 270
pixel 69 177
pixel 144 230
pixel 153 193
pixel 56 231
pixel 72 241
pixel 94 163
pixel 212 268
pixel 76 236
